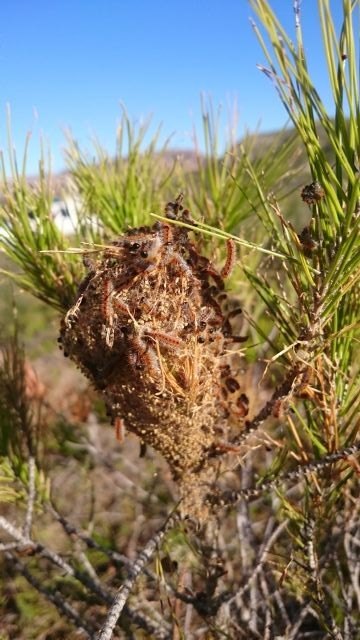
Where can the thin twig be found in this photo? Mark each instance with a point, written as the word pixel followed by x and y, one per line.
pixel 55 598
pixel 352 556
pixel 94 585
pixel 31 497
pixel 117 558
pixel 260 561
pixel 25 541
pixel 155 630
pixel 10 546
pixel 137 567
pixel 227 498
pixel 72 531
pixel 304 612
pixel 279 394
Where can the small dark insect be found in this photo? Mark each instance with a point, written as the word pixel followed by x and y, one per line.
pixel 232 384
pixel 279 408
pixel 312 193
pixel 230 258
pixel 142 452
pixel 307 241
pixel 167 339
pixel 119 429
pixel 242 404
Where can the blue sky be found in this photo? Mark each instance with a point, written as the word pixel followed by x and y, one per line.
pixel 73 62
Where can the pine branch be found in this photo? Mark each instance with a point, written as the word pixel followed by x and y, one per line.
pixel 228 498
pixel 137 568
pixel 54 597
pixel 31 497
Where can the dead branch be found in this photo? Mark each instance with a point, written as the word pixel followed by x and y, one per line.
pixel 137 567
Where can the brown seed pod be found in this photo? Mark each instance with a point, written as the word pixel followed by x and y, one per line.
pixel 312 193
pixel 135 331
pixel 307 241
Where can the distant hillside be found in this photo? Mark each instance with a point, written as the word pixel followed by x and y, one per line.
pixel 258 143
pixel 296 175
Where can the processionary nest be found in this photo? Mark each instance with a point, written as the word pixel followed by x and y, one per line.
pixel 149 330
